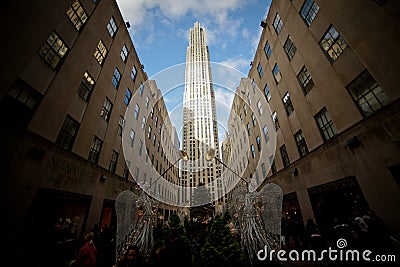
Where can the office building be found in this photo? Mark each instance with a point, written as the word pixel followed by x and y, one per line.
pixel 70 71
pixel 200 129
pixel 329 72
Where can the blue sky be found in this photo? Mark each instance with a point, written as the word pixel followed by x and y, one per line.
pixel 160 28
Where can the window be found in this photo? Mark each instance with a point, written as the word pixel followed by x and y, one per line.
pixel 143 123
pixel 112 27
pixel 121 124
pixel 53 50
pixel 156 121
pixel 260 70
pixel 116 78
pixel 27 98
pixel 147 101
pixel 253 118
pixel 258 140
pixel 277 73
pixel 151 112
pixel 68 132
pixel 86 87
pixel 333 43
pixel 253 152
pixel 278 23
pixel 309 11
pixel 285 156
pixel 289 48
pixel 133 73
pixel 137 109
pixel 113 162
pixel 149 132
pixel 367 93
pixel 95 149
pixel 260 108
pixel 288 104
pixel 272 163
pixel 305 80
pixel 77 15
pixel 267 93
pixel 128 96
pixel 325 124
pixel 106 112
pixel 274 117
pixel 154 139
pixel 264 170
pixel 249 98
pixel 268 49
pixel 126 169
pixel 132 137
pixel 136 175
pixel 245 109
pixel 265 130
pixel 124 53
pixel 254 85
pixel 248 129
pixel 101 52
pixel 301 143
pixel 141 88
pixel 140 147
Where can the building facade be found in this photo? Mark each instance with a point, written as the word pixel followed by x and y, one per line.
pixel 329 73
pixel 70 71
pixel 200 129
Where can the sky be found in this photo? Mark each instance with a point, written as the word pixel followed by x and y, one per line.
pixel 159 30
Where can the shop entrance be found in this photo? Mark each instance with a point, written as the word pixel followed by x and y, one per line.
pixel 55 224
pixel 341 199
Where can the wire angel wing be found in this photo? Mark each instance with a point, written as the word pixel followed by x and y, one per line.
pixel 238 203
pixel 143 232
pixel 127 217
pixel 270 208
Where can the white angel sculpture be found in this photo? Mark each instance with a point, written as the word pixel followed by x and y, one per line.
pixel 258 213
pixel 132 228
pixel 259 217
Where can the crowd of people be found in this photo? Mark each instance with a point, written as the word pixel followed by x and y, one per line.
pixel 365 231
pixel 362 231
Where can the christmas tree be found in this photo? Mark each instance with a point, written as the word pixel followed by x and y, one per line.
pixel 221 248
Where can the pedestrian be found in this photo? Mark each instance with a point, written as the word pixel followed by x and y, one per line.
pixel 87 254
pixel 132 258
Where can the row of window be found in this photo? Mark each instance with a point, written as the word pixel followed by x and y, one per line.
pixel 364 89
pixel 54 50
pixel 368 97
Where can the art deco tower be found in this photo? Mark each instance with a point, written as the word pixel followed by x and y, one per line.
pixel 200 129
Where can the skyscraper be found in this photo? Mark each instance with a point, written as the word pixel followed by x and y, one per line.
pixel 200 129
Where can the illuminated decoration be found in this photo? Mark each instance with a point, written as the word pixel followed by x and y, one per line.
pixel 258 213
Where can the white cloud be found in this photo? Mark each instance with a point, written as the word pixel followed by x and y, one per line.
pixel 245 33
pixel 138 11
pixel 239 62
pixel 146 14
pixel 225 97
